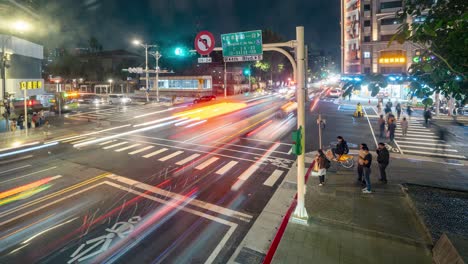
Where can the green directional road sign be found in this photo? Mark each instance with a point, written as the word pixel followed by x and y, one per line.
pixel 242 46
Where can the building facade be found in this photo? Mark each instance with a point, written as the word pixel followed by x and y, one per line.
pixel 367 26
pixel 23 66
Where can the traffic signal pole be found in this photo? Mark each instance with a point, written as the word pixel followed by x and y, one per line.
pixel 300 212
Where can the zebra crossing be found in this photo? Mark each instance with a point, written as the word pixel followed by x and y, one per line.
pixel 122 113
pixel 222 164
pixel 421 140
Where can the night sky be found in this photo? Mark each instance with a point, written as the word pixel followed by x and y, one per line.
pixel 116 22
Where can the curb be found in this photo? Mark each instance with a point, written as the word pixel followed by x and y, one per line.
pixel 419 218
pixel 284 223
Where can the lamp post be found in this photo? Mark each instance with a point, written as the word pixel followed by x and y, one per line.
pixel 59 97
pixel 146 46
pixel 110 85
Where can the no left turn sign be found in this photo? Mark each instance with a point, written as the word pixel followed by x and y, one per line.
pixel 204 43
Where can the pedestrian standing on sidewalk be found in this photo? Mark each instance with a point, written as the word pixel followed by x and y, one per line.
pixel 404 126
pixel 367 169
pixel 360 171
pixel 383 158
pixel 391 128
pixel 382 126
pixel 398 110
pixel 320 167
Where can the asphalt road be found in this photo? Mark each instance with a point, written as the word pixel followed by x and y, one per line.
pixel 157 184
pixel 154 184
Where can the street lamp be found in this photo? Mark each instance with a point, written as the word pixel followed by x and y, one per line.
pixel 146 46
pixel 110 83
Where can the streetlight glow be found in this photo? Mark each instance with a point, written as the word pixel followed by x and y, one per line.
pixel 136 42
pixel 21 26
pixel 110 80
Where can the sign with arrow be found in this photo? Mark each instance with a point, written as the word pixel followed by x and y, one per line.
pixel 204 42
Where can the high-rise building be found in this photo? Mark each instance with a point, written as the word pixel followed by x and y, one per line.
pixel 367 26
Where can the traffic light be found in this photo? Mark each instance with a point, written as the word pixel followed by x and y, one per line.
pixel 180 51
pixel 297 141
pixel 247 71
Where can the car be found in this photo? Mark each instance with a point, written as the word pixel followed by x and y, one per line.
pixel 205 98
pixel 91 99
pixel 119 99
pixel 335 93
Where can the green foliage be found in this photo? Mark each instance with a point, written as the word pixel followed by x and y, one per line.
pixel 443 35
pixel 427 101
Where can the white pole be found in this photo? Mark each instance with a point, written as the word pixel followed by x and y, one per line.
pixel 59 99
pixel 158 56
pixel 25 111
pixel 300 211
pixel 146 71
pixel 225 81
pixel 250 85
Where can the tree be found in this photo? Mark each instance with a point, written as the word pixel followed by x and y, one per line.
pixel 440 32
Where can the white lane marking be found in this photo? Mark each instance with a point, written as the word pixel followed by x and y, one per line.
pixel 17 168
pixel 246 174
pixel 198 203
pixel 370 125
pixel 260 140
pixel 16 159
pixel 105 143
pixel 182 162
pixel 206 163
pixel 115 145
pixel 140 150
pixel 81 140
pixel 155 153
pixel 29 174
pixel 290 151
pixel 435 154
pixel 273 178
pixel 170 156
pixel 428 148
pixel 248 147
pixel 127 147
pixel 226 167
pixel 72 139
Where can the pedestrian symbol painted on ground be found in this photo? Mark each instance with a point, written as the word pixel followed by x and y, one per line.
pixel 100 244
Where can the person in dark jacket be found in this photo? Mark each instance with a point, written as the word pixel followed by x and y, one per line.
pixel 341 147
pixel 383 158
pixel 398 110
pixel 391 129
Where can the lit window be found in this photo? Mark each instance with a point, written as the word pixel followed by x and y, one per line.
pixel 366 54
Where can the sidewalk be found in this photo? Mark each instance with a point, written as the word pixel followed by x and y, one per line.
pixel 346 226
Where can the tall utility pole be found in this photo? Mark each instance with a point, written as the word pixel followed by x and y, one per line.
pixel 157 55
pixel 300 211
pixel 146 46
pixel 225 81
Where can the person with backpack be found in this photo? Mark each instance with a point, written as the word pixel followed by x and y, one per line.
pixel 341 147
pixel 321 165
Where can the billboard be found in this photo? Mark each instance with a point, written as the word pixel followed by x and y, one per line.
pixel 352 36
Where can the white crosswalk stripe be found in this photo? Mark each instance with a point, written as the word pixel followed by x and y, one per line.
pixel 107 142
pixel 226 167
pixel 189 158
pixel 206 163
pixel 273 178
pixel 127 147
pixel 140 150
pixel 154 153
pixel 170 156
pixel 80 140
pixel 115 145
